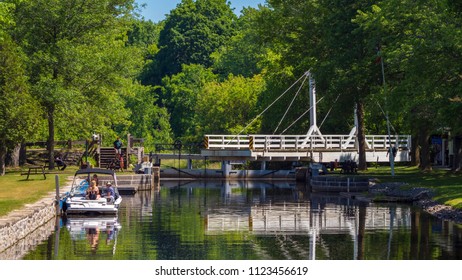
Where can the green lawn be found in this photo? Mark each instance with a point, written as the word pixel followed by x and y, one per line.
pixel 16 191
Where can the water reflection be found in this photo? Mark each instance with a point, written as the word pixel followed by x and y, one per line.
pixel 94 229
pixel 247 220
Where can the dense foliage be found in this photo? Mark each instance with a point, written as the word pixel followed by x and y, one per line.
pixel 95 66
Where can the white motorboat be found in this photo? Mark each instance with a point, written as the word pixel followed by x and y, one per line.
pixel 76 201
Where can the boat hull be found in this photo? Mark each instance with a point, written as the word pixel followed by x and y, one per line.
pixel 81 205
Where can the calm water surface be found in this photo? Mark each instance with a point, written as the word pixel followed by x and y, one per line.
pixel 240 220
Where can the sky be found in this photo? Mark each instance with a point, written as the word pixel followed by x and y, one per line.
pixel 156 10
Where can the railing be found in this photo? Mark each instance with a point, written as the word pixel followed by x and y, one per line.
pixel 226 142
pixel 302 142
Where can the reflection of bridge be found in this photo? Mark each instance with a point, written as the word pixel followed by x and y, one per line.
pixel 301 219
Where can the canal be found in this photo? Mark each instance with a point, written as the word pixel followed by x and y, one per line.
pixel 248 220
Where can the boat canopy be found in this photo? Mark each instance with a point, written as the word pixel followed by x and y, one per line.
pixel 95 170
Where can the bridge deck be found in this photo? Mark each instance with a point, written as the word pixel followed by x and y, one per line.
pixel 321 148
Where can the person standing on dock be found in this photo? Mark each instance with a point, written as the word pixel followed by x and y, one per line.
pixel 118 146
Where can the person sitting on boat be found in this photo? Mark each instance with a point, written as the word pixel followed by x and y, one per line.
pixel 95 178
pixel 110 193
pixel 93 191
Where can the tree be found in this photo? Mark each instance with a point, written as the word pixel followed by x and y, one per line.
pixel 145 35
pixel 420 40
pixel 17 110
pixel 181 92
pixel 192 32
pixel 147 119
pixel 229 107
pixel 241 54
pixel 78 60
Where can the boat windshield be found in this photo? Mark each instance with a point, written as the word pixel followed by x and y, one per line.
pixel 81 186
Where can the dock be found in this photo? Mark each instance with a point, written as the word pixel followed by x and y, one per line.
pixel 130 183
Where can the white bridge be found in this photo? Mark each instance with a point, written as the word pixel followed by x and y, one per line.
pixel 320 148
pixel 313 146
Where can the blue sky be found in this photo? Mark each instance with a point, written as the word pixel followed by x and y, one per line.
pixel 156 10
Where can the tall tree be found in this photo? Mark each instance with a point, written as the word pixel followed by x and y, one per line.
pixel 17 110
pixel 422 46
pixel 181 92
pixel 229 107
pixel 147 119
pixel 75 64
pixel 241 54
pixel 192 32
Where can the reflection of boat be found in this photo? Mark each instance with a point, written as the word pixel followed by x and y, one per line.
pixel 93 228
pixel 339 184
pixel 75 201
pixel 78 226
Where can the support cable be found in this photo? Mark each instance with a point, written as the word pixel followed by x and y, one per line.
pixel 385 115
pixel 259 115
pixel 325 117
pixel 292 102
pixel 301 116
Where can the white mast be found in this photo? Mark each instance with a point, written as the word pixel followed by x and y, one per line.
pixel 314 130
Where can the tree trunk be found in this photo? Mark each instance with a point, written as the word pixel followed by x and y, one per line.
pixel 457 153
pixel 415 150
pixel 51 138
pixel 362 164
pixel 22 154
pixel 3 152
pixel 424 143
pixel 15 155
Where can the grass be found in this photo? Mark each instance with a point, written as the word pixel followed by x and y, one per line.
pixel 447 185
pixel 16 191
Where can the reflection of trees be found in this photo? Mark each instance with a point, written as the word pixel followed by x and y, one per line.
pixel 414 248
pixel 361 232
pixel 424 244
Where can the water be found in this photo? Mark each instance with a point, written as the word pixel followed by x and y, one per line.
pixel 240 220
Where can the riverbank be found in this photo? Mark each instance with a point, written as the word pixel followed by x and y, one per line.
pixel 19 226
pixel 441 211
pixel 419 196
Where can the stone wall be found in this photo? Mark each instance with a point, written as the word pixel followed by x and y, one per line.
pixel 20 227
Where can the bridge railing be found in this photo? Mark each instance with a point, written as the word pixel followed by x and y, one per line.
pixel 383 142
pixel 303 142
pixel 226 142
